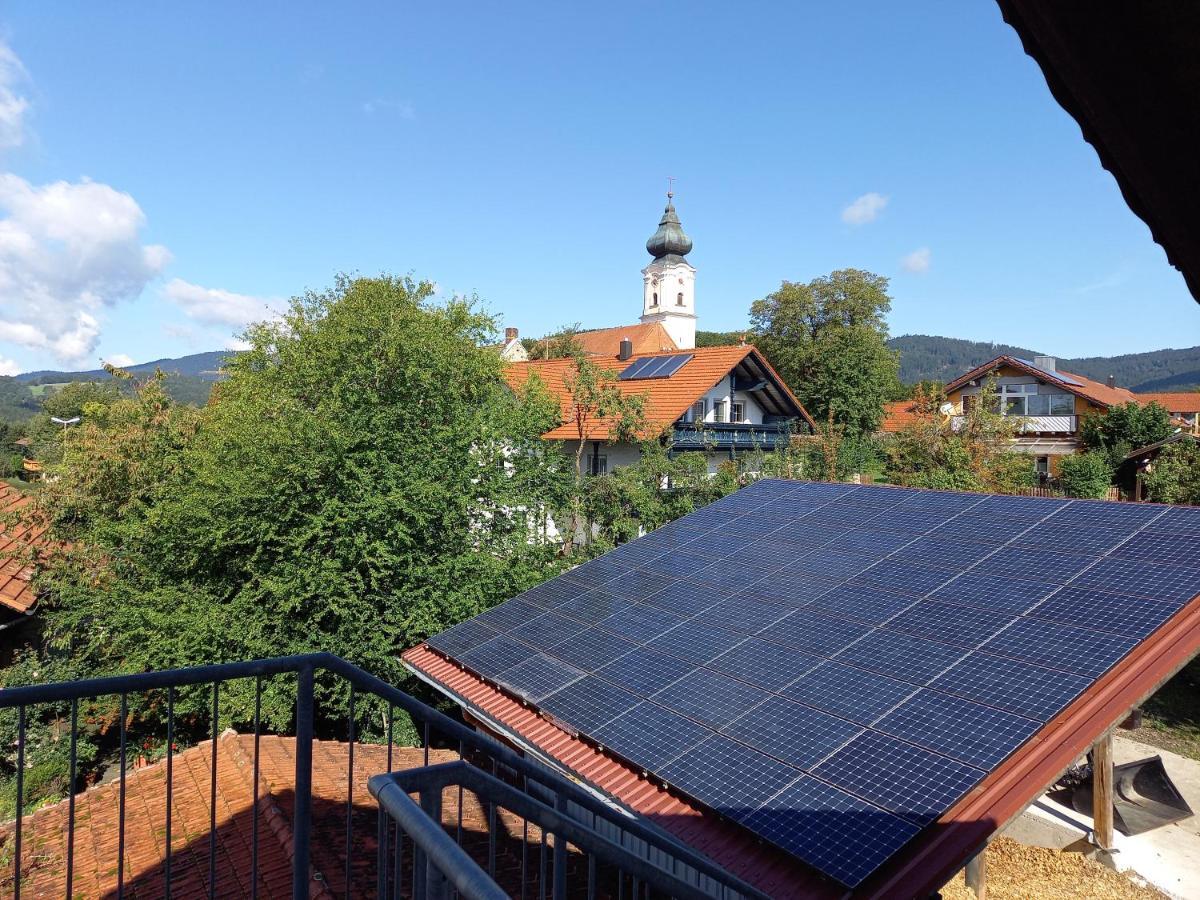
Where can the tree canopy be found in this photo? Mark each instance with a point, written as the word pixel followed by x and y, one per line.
pixel 828 339
pixel 363 479
pixel 1125 428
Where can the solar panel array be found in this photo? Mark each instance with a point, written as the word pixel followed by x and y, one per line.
pixel 654 367
pixel 834 666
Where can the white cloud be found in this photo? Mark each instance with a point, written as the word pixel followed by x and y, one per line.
pixel 400 108
pixel 214 306
pixel 67 251
pixel 8 366
pixel 120 360
pixel 865 209
pixel 917 261
pixel 237 344
pixel 12 105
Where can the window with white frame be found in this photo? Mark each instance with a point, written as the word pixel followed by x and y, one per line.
pixel 699 410
pixel 599 464
pixel 1024 400
pixel 738 412
pixel 718 410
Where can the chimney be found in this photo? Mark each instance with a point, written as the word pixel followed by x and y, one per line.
pixel 1112 381
pixel 1046 363
pixel 626 349
pixel 510 335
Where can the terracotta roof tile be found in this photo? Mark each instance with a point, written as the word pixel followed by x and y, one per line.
pixel 44 833
pixel 1174 401
pixel 647 337
pixel 666 399
pixel 16 540
pixel 898 416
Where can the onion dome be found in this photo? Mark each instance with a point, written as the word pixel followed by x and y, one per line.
pixel 669 240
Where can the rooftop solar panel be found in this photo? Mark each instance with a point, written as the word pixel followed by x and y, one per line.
pixel 654 367
pixel 831 665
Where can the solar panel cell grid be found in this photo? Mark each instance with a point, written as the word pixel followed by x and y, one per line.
pixel 547 629
pixel 1064 647
pixel 743 614
pixel 644 672
pixel 901 576
pixel 709 698
pixel 911 782
pixel 809 631
pixel 639 622
pixel 650 735
pixel 849 692
pixel 830 564
pixel 867 604
pixel 763 664
pixel 993 592
pixel 492 657
pixel 1034 565
pixel 939 553
pixel 831 830
pixel 1114 613
pixel 1012 685
pixel 963 626
pixel 697 641
pixel 728 776
pixel 462 637
pixel 1156 581
pixel 796 734
pixel 901 656
pixel 685 598
pixel 591 649
pixel 969 732
pixel 791 590
pixel 1181 550
pixel 509 615
pixel 1177 520
pixel 538 677
pixel 638 585
pixel 590 607
pixel 588 703
pixel 1083 541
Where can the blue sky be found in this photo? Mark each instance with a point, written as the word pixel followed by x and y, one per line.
pixel 168 171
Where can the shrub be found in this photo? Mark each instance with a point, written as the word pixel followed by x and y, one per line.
pixel 1086 475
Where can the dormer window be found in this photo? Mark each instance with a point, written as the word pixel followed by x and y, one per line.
pixel 679 299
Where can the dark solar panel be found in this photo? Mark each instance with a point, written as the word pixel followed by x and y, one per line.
pixel 650 735
pixel 830 830
pixel 709 698
pixel 654 367
pixel 969 732
pixel 911 782
pixel 866 653
pixel 792 732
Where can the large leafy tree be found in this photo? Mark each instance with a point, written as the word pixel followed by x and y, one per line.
pixel 1175 475
pixel 1125 428
pixel 363 478
pixel 828 339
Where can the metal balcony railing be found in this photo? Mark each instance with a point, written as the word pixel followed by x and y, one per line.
pixel 730 436
pixel 1035 424
pixel 543 832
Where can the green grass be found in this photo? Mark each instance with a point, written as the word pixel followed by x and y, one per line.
pixel 39 390
pixel 1171 718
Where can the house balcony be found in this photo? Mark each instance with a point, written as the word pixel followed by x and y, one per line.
pixel 1034 424
pixel 727 436
pixel 334 806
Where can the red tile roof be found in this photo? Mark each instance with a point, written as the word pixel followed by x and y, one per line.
pixel 1173 401
pixel 898 415
pixel 18 539
pixel 666 399
pixel 44 833
pixel 647 337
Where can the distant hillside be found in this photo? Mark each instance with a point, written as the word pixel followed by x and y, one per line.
pixel 925 356
pixel 198 365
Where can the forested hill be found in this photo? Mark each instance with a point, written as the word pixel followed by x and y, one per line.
pixel 198 365
pixel 924 356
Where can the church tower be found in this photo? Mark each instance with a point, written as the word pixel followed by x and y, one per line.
pixel 669 281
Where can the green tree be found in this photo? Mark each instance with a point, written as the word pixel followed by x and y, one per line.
pixel 1175 475
pixel 828 339
pixel 363 479
pixel 1125 428
pixel 1087 475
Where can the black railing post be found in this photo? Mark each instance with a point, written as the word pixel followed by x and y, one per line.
pixel 302 807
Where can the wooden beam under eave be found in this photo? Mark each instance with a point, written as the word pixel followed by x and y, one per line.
pixel 1102 792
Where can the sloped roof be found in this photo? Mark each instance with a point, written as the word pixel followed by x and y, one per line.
pixel 647 337
pixel 666 399
pixel 897 416
pixel 44 833
pixel 1173 401
pixel 16 569
pixel 1093 391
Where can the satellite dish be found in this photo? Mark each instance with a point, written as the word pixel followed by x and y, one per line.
pixel 72 421
pixel 946 409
